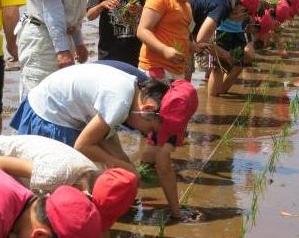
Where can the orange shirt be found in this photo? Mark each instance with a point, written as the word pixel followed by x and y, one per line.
pixel 172 30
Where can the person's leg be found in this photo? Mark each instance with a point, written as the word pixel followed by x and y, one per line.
pixel 36 55
pixel 215 82
pixel 249 53
pixel 230 78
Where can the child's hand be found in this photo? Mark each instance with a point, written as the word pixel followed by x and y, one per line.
pixel 110 4
pixel 173 55
pixel 200 47
pixel 134 9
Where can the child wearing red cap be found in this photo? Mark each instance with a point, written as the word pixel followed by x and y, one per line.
pixel 66 213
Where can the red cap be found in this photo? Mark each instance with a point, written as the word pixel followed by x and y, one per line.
pixel 177 107
pixel 113 193
pixel 72 214
pixel 294 8
pixel 251 5
pixel 282 11
pixel 14 197
pixel 266 22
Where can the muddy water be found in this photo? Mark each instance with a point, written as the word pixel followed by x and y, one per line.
pixel 218 178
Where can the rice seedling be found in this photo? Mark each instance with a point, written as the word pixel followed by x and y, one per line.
pixel 161 224
pixel 294 108
pixel 184 199
pixel 290 45
pixel 254 63
pixel 227 139
pixel 260 179
pixel 147 173
pixel 178 46
pixel 264 89
pixel 247 108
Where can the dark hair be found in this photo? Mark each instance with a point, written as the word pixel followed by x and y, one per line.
pixel 41 214
pixel 92 178
pixel 154 89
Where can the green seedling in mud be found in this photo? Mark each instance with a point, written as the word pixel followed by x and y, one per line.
pixel 273 69
pixel 289 45
pixel 244 119
pixel 184 199
pixel 264 90
pixel 147 173
pixel 260 180
pixel 178 46
pixel 254 63
pixel 161 224
pixel 294 108
pixel 227 139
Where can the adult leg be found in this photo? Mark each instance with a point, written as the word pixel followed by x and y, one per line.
pixel 36 55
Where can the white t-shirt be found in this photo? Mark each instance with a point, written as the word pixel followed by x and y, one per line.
pixel 72 96
pixel 54 163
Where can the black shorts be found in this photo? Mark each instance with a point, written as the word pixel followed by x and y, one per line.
pixel 234 43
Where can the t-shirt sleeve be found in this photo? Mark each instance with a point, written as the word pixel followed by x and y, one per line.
pixel 49 173
pixel 157 5
pixel 218 13
pixel 92 3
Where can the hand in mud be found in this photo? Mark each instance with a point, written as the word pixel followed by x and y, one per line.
pixel 173 55
pixel 110 4
pixel 189 215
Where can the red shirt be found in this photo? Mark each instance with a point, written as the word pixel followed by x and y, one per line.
pixel 12 201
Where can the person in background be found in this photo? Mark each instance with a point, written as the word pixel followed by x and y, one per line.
pixel 165 35
pixel 66 213
pixel 117 28
pixel 46 38
pixel 216 11
pixel 231 39
pixel 9 16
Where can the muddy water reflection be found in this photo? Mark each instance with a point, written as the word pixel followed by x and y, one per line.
pixel 219 186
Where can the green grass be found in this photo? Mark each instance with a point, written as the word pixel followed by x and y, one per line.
pixel 294 108
pixel 161 224
pixel 147 173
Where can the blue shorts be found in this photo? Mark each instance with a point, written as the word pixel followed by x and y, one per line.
pixel 27 122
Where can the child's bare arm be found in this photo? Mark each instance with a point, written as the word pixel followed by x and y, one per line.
pixel 15 166
pixel 145 32
pixel 94 12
